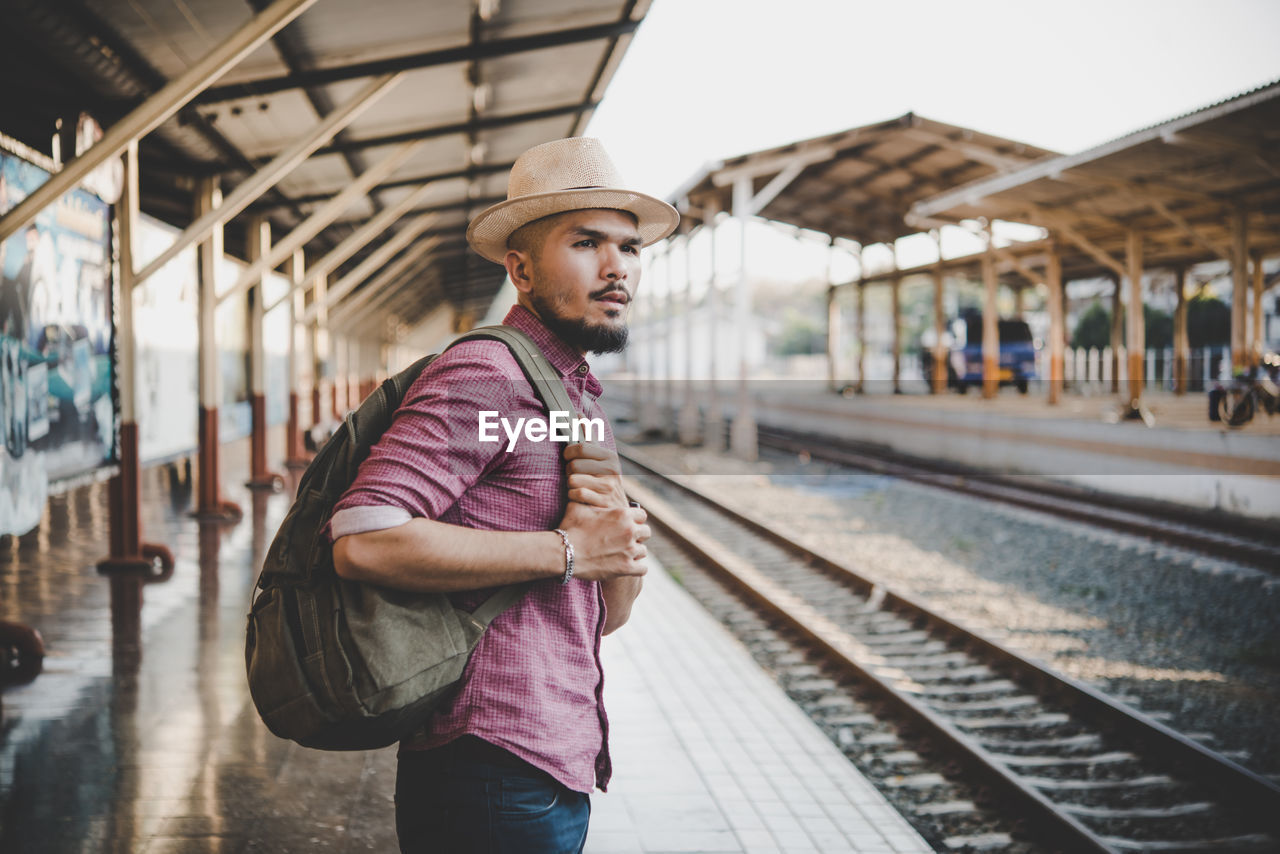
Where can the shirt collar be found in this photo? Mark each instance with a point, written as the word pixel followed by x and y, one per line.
pixel 562 357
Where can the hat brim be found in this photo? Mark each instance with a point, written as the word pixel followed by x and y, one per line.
pixel 489 231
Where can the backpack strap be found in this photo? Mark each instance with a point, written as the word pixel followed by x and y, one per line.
pixel 490 608
pixel 549 386
pixel 546 380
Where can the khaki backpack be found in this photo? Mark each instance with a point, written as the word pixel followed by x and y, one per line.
pixel 342 665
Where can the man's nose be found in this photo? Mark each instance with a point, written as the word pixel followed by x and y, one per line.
pixel 613 263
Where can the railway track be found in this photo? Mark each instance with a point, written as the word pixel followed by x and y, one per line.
pixel 1079 770
pixel 1241 540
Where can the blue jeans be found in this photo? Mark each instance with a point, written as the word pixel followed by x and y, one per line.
pixel 470 797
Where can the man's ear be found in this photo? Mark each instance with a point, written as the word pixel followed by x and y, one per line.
pixel 518 269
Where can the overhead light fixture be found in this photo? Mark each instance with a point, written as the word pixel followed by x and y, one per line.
pixel 486 9
pixel 480 96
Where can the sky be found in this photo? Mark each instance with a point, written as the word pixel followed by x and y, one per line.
pixel 708 79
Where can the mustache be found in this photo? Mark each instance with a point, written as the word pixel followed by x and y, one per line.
pixel 612 289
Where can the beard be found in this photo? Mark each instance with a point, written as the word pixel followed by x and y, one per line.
pixel 588 337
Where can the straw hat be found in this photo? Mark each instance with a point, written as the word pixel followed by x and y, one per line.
pixel 565 175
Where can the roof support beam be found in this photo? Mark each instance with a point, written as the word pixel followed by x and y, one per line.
pixel 374 262
pixel 358 239
pixel 453 174
pixel 1216 143
pixel 1004 255
pixel 358 306
pixel 152 112
pixel 471 126
pixel 1041 217
pixel 1186 228
pixel 999 162
pixel 770 191
pixel 448 207
pixel 268 176
pixel 753 169
pixel 315 223
pixel 411 62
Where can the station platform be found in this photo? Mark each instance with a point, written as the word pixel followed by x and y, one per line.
pixel 1180 456
pixel 139 736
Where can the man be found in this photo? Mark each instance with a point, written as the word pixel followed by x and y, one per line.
pixel 509 764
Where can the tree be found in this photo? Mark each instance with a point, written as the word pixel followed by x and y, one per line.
pixel 1208 322
pixel 801 334
pixel 1093 329
pixel 1158 326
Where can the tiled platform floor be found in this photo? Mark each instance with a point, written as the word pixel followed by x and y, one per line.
pixel 711 756
pixel 140 737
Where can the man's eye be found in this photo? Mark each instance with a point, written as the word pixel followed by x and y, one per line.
pixel 587 242
pixel 632 248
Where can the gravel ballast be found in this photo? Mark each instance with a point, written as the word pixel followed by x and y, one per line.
pixel 1192 641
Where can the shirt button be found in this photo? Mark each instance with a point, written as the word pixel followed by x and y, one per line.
pixel 582 369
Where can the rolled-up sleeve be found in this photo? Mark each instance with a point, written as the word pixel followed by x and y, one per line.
pixel 432 453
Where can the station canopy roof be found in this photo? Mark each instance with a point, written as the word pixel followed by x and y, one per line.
pixel 858 184
pixel 483 81
pixel 1177 183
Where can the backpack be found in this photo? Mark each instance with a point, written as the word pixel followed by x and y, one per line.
pixel 343 665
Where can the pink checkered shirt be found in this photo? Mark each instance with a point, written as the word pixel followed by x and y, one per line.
pixel 533 685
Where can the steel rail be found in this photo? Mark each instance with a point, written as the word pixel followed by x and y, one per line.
pixel 1240 540
pixel 1258 795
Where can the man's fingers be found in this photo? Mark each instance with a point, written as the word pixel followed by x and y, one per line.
pixel 592 481
pixel 587 465
pixel 587 450
pixel 588 497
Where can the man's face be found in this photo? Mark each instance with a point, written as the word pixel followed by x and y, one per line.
pixel 584 277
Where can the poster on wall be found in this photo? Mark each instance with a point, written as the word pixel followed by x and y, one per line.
pixel 57 412
pixel 166 336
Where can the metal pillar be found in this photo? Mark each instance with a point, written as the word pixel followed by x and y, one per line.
pixel 127 550
pixel 1181 343
pixel 319 339
pixel 1137 331
pixel 990 324
pixel 338 386
pixel 895 311
pixel 210 504
pixel 295 454
pixel 939 379
pixel 689 424
pixel 1057 323
pixel 649 415
pixel 743 439
pixel 713 438
pixel 861 329
pixel 669 341
pixel 1117 334
pixel 833 320
pixel 260 477
pixel 153 112
pixel 1255 351
pixel 1239 289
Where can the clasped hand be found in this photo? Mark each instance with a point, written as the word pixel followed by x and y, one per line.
pixel 608 535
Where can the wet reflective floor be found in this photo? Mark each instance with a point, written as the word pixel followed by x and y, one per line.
pixel 139 734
